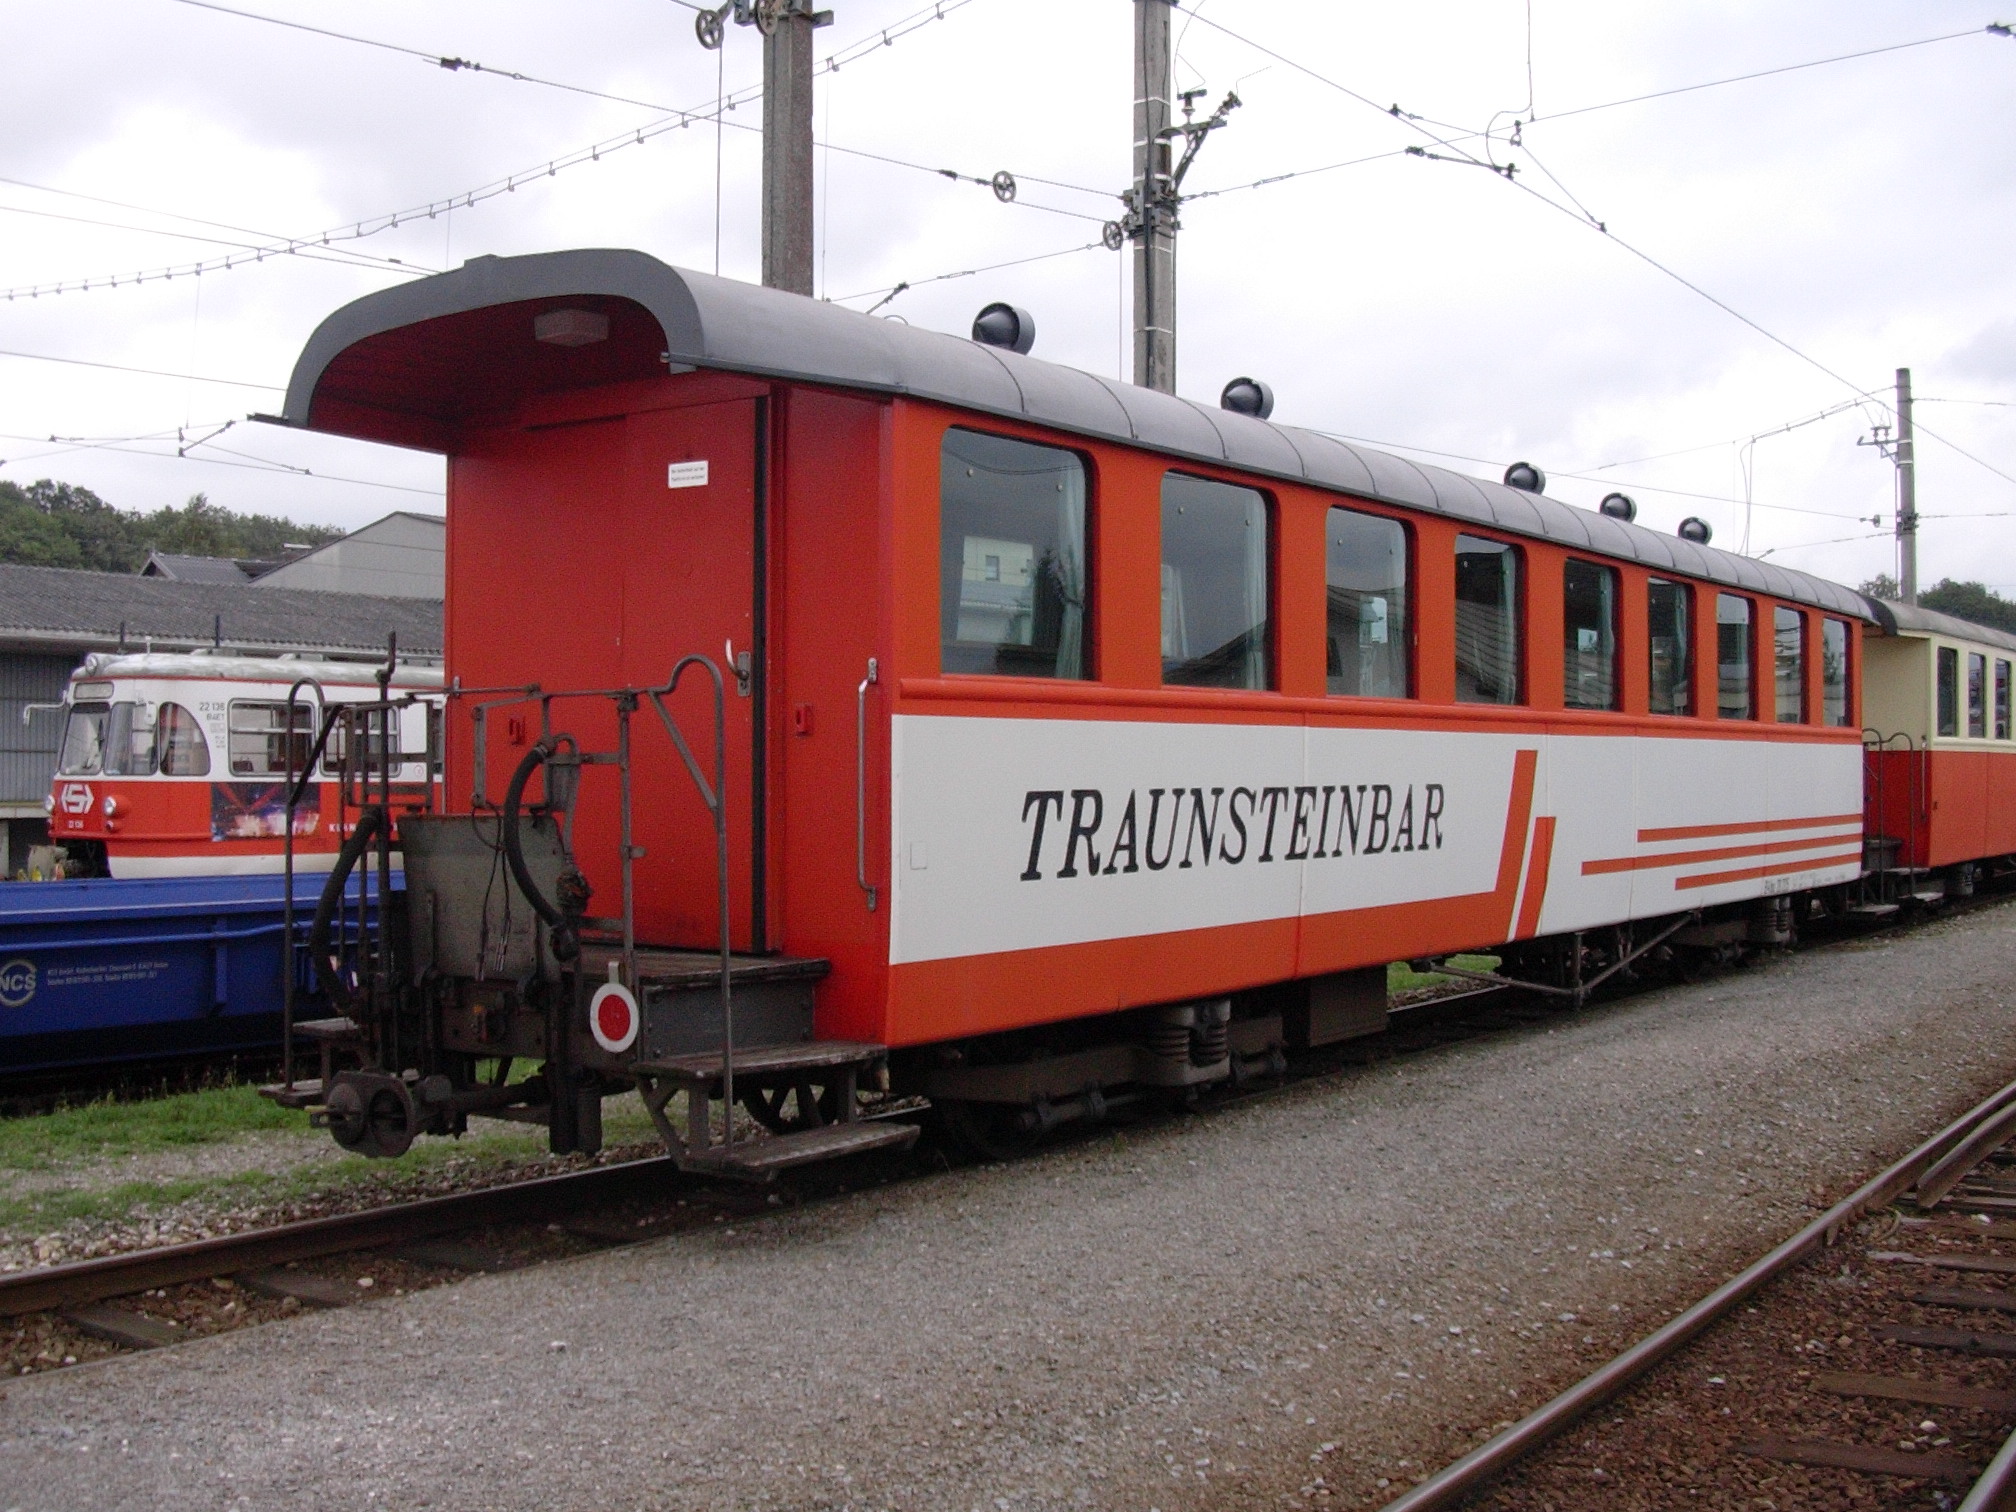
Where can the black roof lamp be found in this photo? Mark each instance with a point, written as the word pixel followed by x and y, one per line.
pixel 1697 530
pixel 1525 477
pixel 1004 325
pixel 1248 396
pixel 1619 506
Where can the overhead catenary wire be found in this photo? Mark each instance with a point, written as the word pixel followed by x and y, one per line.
pixel 673 119
pixel 890 291
pixel 265 465
pixel 116 367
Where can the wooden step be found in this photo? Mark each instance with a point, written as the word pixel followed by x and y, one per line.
pixel 761 1158
pixel 766 1060
pixel 305 1093
pixel 680 970
pixel 1872 910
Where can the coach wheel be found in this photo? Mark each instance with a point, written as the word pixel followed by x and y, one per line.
pixel 990 1131
pixel 371 1114
pixel 789 1110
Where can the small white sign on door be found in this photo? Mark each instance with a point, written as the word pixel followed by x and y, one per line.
pixel 686 474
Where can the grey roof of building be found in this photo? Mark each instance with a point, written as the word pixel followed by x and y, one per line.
pixel 197 569
pixel 60 606
pixel 721 324
pixel 1909 619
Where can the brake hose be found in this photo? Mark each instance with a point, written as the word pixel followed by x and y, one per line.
pixel 328 968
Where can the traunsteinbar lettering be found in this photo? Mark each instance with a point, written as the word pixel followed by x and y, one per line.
pixel 1084 832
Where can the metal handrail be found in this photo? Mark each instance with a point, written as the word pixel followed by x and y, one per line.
pixel 713 794
pixel 294 791
pixel 861 782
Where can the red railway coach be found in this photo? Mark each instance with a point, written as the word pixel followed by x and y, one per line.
pixel 1941 759
pixel 1077 739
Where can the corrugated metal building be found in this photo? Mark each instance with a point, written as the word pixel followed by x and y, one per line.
pixel 404 555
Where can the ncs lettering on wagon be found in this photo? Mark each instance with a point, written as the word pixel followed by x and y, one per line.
pixel 1015 834
pixel 1371 819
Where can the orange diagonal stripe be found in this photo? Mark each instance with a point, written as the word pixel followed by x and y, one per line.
pixel 1749 873
pixel 1723 853
pixel 1757 827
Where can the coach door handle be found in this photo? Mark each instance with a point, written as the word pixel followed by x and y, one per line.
pixel 861 783
pixel 743 665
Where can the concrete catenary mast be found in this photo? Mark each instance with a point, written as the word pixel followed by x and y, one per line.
pixel 787 27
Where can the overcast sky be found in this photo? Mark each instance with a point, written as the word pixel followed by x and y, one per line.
pixel 1863 213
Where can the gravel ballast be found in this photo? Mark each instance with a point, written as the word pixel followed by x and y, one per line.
pixel 1310 1298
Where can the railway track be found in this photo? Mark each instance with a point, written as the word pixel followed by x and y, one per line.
pixel 150 1298
pixel 1919 1298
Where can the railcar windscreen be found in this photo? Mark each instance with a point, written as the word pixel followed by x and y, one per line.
pixel 1589 627
pixel 1732 656
pixel 84 740
pixel 1369 647
pixel 1977 695
pixel 1216 619
pixel 1487 621
pixel 1788 655
pixel 1014 583
pixel 1834 672
pixel 129 742
pixel 1949 691
pixel 1670 621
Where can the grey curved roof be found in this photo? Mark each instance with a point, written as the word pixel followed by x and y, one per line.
pixel 1910 619
pixel 720 324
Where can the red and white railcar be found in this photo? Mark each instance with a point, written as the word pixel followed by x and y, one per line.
pixel 1071 717
pixel 1941 777
pixel 176 764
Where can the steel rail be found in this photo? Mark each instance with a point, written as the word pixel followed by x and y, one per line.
pixel 1450 1485
pixel 94 1280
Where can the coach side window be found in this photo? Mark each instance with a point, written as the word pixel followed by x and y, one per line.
pixel 1949 691
pixel 1834 672
pixel 1668 609
pixel 1216 619
pixel 1732 656
pixel 1365 566
pixel 1487 621
pixel 185 752
pixel 1977 695
pixel 1788 648
pixel 260 745
pixel 1589 621
pixel 2001 700
pixel 1013 580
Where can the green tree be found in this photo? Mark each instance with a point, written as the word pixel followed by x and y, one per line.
pixel 49 524
pixel 1975 602
pixel 1883 586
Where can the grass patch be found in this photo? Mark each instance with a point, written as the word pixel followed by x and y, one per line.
pixel 1402 978
pixel 108 1129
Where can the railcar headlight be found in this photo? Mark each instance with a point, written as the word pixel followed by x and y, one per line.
pixel 48 803
pixel 110 806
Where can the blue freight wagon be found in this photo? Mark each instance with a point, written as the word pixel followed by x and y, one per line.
pixel 103 970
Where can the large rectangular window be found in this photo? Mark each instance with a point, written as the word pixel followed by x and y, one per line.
pixel 1487 621
pixel 1216 619
pixel 1733 694
pixel 1014 584
pixel 1365 568
pixel 1949 691
pixel 1788 660
pixel 1589 635
pixel 1977 695
pixel 1834 672
pixel 2001 700
pixel 259 739
pixel 1670 620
